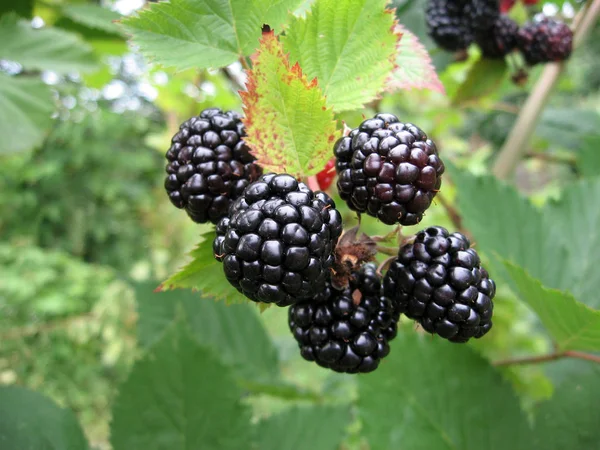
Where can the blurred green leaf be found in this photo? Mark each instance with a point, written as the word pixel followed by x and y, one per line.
pixel 288 125
pixel 309 428
pixel 414 69
pixel 570 419
pixel 568 127
pixel 589 157
pixel 556 244
pixel 23 8
pixel 572 325
pixel 180 396
pixel 43 49
pixel 26 108
pixel 236 331
pixel 431 394
pixel 205 274
pixel 349 46
pixel 30 421
pixel 484 78
pixel 205 33
pixel 93 16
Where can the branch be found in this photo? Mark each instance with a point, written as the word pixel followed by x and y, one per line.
pixel 517 142
pixel 546 358
pixel 452 212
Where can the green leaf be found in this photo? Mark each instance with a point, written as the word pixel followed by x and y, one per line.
pixel 93 16
pixel 249 349
pixel 484 78
pixel 43 49
pixel 23 8
pixel 30 421
pixel 26 108
pixel 414 69
pixel 572 325
pixel 589 157
pixel 205 274
pixel 206 33
pixel 431 394
pixel 567 127
pixel 289 430
pixel 348 45
pixel 180 396
pixel 289 127
pixel 570 419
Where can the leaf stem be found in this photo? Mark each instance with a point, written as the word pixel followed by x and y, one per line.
pixel 546 358
pixel 517 142
pixel 452 212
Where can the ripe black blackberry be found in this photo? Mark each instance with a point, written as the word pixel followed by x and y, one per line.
pixel 498 40
pixel 348 330
pixel 277 243
pixel 209 165
pixel 438 281
pixel 545 41
pixel 482 14
pixel 389 169
pixel 447 24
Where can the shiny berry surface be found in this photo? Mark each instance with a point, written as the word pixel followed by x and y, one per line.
pixel 349 330
pixel 277 243
pixel 209 165
pixel 439 282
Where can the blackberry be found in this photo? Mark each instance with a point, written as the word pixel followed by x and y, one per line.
pixel 438 281
pixel 347 330
pixel 482 14
pixel 209 165
pixel 277 243
pixel 500 39
pixel 545 41
pixel 447 24
pixel 389 169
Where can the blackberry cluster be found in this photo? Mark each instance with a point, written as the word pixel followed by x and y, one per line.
pixel 389 169
pixel 448 24
pixel 482 14
pixel 209 165
pixel 545 41
pixel 277 242
pixel 498 40
pixel 348 330
pixel 438 281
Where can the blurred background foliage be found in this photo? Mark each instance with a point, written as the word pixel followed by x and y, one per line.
pixel 84 219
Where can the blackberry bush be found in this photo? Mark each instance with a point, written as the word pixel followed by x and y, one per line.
pixel 346 330
pixel 438 281
pixel 209 165
pixel 277 242
pixel 498 40
pixel 448 25
pixel 545 41
pixel 388 169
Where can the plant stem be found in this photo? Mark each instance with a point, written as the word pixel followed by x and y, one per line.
pixel 452 212
pixel 313 184
pixel 550 357
pixel 232 79
pixel 517 142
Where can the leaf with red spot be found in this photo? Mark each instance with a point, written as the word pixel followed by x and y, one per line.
pixel 414 69
pixel 289 127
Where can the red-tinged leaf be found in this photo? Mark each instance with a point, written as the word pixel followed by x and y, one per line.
pixel 414 69
pixel 289 127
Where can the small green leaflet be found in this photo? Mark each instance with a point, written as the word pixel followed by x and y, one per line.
pixel 205 274
pixel 93 16
pixel 484 78
pixel 572 325
pixel 289 127
pixel 348 45
pixel 414 68
pixel 204 33
pixel 44 49
pixel 26 108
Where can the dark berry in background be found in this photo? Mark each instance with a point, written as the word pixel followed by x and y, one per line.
pixel 448 25
pixel 439 282
pixel 498 40
pixel 388 169
pixel 482 14
pixel 209 165
pixel 348 330
pixel 546 40
pixel 277 243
